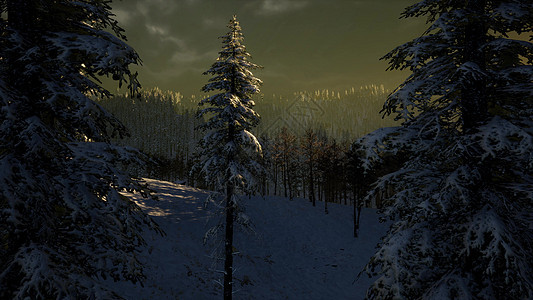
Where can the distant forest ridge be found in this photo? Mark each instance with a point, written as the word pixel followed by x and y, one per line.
pixel 162 123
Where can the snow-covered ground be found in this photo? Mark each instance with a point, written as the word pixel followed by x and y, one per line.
pixel 298 252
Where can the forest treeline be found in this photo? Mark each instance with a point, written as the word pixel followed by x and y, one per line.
pixel 306 138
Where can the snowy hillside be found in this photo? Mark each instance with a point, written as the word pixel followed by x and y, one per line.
pixel 297 252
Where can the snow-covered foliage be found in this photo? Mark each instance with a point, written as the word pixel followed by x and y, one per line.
pixel 229 151
pixel 462 201
pixel 62 221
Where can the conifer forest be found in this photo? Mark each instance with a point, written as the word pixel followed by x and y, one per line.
pixel 266 149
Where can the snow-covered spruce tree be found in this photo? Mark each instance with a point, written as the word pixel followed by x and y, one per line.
pixel 62 221
pixel 462 203
pixel 229 152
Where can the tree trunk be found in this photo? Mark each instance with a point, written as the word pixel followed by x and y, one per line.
pixel 275 179
pixel 285 170
pixel 228 263
pixel 355 204
pixel 290 183
pixel 345 195
pixel 328 194
pixel 474 94
pixel 304 188
pixel 312 184
pixel 359 209
pixel 22 17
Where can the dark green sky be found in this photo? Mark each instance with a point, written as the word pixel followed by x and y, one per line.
pixel 302 44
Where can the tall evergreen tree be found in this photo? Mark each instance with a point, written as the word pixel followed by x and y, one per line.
pixel 229 152
pixel 462 201
pixel 62 220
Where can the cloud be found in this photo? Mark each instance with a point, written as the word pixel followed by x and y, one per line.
pixel 210 22
pixel 190 2
pixel 167 6
pixel 182 53
pixel 157 30
pixel 123 17
pixel 142 8
pixel 164 35
pixel 190 56
pixel 269 7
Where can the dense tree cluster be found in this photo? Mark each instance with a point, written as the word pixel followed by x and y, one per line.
pixel 317 168
pixel 161 124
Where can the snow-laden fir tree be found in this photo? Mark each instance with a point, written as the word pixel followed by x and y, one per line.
pixel 63 223
pixel 229 152
pixel 462 201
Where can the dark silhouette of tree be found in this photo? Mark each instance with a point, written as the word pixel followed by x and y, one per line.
pixel 358 182
pixel 62 220
pixel 286 155
pixel 310 146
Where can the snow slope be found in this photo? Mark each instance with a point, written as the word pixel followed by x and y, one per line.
pixel 297 251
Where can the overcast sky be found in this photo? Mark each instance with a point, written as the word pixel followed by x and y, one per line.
pixel 302 44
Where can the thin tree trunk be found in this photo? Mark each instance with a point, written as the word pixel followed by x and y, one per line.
pixel 359 209
pixel 328 194
pixel 312 185
pixel 228 263
pixel 356 208
pixel 289 181
pixel 285 171
pixel 276 179
pixel 355 227
pixel 304 189
pixel 22 16
pixel 345 195
pixel 319 190
pixel 474 95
